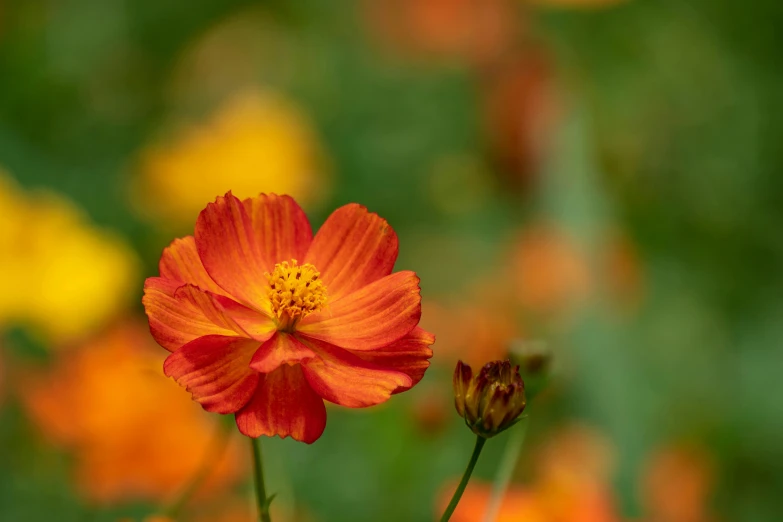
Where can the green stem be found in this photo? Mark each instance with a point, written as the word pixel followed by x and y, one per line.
pixel 465 478
pixel 258 472
pixel 507 465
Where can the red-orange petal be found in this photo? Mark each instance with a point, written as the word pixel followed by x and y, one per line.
pixel 284 405
pixel 374 316
pixel 180 262
pixel 281 349
pixel 256 323
pixel 280 227
pixel 410 355
pixel 343 378
pixel 215 370
pixel 227 246
pixel 180 313
pixel 352 249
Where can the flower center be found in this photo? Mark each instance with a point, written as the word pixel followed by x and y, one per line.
pixel 295 291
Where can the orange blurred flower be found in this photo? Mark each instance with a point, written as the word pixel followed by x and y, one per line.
pixel 476 329
pixel 430 409
pixel 573 476
pixel 255 333
pixel 477 30
pixel 570 484
pixel 583 4
pixel 549 271
pixel 256 139
pixel 520 113
pixel 552 273
pixel 676 485
pixel 519 504
pixel 134 436
pixel 65 276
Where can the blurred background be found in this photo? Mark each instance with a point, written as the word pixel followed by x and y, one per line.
pixel 600 178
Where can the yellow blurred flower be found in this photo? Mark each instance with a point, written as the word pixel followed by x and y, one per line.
pixel 257 141
pixel 134 434
pixel 62 275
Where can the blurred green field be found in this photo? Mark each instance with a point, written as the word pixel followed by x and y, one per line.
pixel 600 177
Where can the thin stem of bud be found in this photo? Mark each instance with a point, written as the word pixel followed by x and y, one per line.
pixel 507 464
pixel 258 471
pixel 465 478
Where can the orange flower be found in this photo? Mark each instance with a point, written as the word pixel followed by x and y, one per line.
pixel 473 30
pixel 266 322
pixel 519 503
pixel 552 273
pixel 570 483
pixel 521 112
pixel 577 4
pixel 430 410
pixel 480 327
pixel 676 485
pixel 573 475
pixel 549 270
pixel 133 436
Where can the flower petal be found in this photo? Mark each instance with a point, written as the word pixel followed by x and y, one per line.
pixel 281 349
pixel 378 314
pixel 410 355
pixel 280 227
pixel 214 369
pixel 180 313
pixel 227 246
pixel 352 249
pixel 343 378
pixel 180 262
pixel 284 405
pixel 256 323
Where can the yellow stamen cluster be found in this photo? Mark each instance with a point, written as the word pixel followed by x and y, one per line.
pixel 295 291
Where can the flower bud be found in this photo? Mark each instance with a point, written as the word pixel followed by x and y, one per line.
pixel 491 401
